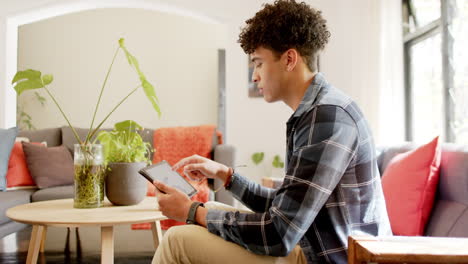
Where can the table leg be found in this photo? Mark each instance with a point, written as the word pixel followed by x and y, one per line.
pixel 34 244
pixel 107 244
pixel 44 234
pixel 157 233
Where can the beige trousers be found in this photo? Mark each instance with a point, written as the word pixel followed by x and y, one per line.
pixel 195 244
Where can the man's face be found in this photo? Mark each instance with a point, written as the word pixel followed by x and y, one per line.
pixel 268 74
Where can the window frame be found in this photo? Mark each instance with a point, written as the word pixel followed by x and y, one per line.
pixel 438 26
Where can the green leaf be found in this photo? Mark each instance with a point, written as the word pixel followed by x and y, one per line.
pixel 151 95
pixel 27 74
pixel 277 162
pixel 47 79
pixel 127 125
pixel 147 86
pixel 124 144
pixel 257 157
pixel 28 85
pixel 27 80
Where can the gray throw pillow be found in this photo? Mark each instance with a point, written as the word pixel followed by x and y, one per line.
pixel 69 140
pixel 7 139
pixel 49 167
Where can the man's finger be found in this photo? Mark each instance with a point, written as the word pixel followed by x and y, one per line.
pixel 194 167
pixel 163 187
pixel 185 161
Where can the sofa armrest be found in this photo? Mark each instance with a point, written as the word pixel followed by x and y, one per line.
pixel 224 154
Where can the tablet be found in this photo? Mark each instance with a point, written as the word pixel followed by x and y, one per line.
pixel 163 172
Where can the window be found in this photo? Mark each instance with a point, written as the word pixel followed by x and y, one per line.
pixel 436 69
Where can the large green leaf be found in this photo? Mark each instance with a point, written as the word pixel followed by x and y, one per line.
pixel 27 74
pixel 127 125
pixel 151 95
pixel 147 86
pixel 28 80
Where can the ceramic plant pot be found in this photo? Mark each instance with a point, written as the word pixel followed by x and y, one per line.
pixel 124 185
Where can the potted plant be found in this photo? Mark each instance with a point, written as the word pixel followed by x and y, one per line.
pixel 125 153
pixel 88 158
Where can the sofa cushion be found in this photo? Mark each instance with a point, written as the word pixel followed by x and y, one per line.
pixel 10 199
pixel 69 140
pixel 53 136
pixel 448 219
pixel 49 166
pixel 409 184
pixel 18 173
pixel 68 137
pixel 453 183
pixel 52 193
pixel 7 139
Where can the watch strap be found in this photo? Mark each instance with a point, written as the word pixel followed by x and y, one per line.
pixel 192 212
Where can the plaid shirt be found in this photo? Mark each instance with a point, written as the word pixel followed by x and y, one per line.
pixel 331 190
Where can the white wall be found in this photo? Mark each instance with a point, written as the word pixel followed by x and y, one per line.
pixel 356 61
pixel 180 60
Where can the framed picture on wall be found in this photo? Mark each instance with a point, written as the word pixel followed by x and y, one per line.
pixel 253 89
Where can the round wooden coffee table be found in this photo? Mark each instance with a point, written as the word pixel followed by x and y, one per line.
pixel 62 214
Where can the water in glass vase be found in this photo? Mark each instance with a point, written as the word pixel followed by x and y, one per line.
pixel 89 176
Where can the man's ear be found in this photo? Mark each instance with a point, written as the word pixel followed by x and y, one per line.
pixel 291 56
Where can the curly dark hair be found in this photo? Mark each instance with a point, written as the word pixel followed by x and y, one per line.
pixel 287 24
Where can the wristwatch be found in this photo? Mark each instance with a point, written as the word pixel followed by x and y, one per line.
pixel 191 215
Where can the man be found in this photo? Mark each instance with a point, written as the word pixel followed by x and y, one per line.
pixel 332 186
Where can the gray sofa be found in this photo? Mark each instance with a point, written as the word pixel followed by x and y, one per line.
pixel 449 217
pixel 63 136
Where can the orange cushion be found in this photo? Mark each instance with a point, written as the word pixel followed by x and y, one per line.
pixel 409 184
pixel 18 172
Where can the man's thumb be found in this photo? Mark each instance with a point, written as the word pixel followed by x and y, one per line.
pixel 163 187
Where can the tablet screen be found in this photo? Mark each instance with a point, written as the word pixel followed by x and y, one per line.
pixel 163 172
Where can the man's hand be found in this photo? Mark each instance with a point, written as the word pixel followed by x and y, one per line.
pixel 197 167
pixel 172 203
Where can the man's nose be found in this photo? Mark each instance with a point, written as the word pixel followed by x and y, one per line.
pixel 255 77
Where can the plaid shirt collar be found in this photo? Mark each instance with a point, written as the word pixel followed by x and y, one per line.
pixel 310 95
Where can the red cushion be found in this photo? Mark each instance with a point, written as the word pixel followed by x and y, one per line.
pixel 18 173
pixel 409 184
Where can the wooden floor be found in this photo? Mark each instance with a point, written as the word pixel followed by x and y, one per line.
pixel 79 246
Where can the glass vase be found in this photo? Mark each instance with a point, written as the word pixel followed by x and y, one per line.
pixel 89 176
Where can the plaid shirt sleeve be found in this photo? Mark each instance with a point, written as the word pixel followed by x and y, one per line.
pixel 258 198
pixel 325 141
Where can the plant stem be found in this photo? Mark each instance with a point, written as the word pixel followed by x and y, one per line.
pixel 100 95
pixel 61 111
pixel 121 101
